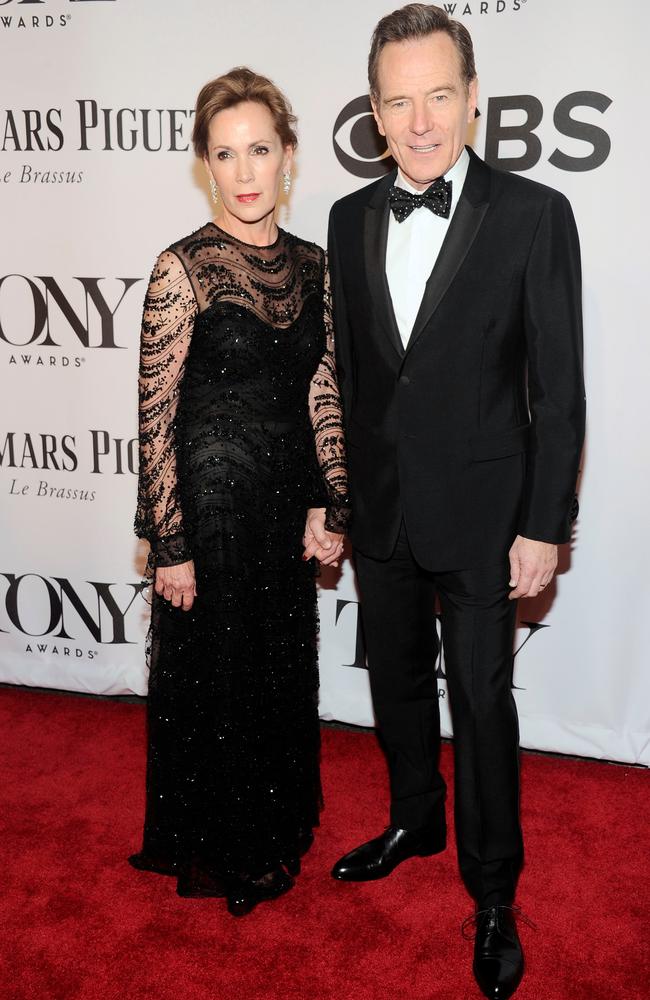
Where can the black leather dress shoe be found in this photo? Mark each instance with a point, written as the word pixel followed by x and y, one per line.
pixel 498 956
pixel 379 857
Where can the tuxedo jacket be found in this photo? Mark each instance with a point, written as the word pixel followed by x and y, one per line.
pixel 473 433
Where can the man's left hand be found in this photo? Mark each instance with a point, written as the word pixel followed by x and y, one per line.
pixel 532 566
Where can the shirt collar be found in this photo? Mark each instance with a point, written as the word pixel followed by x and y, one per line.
pixel 455 174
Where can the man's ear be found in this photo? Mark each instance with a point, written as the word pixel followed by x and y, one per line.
pixel 472 100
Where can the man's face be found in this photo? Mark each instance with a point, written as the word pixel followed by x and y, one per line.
pixel 423 108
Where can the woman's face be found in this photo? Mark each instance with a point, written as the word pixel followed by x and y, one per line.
pixel 247 160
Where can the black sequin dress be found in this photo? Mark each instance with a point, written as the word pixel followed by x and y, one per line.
pixel 240 433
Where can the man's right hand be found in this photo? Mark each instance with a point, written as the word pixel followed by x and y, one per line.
pixel 177 584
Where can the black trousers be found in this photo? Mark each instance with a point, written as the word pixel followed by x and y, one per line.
pixel 397 606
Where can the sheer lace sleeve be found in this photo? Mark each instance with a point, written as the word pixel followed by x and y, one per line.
pixel 169 312
pixel 327 422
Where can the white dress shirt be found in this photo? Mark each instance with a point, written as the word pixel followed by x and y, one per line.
pixel 413 247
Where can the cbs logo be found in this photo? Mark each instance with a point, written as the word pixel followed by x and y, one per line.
pixel 362 151
pixel 358 146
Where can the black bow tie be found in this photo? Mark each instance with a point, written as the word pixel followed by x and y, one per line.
pixel 437 198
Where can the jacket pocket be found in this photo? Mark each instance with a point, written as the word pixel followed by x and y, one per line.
pixel 499 444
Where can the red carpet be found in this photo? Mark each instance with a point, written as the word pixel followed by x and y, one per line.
pixel 80 923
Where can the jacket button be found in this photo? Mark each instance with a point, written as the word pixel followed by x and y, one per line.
pixel 405 380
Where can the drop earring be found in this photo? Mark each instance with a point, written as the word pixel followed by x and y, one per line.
pixel 286 181
pixel 214 190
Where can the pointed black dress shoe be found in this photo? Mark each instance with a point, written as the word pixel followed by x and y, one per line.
pixel 498 955
pixel 379 857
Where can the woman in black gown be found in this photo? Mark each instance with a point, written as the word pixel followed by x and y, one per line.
pixel 241 447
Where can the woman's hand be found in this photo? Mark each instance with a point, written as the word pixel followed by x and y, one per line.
pixel 177 584
pixel 326 545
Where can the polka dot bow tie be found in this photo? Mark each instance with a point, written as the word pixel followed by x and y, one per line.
pixel 437 198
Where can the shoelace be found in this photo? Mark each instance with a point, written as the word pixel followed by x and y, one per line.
pixel 469 926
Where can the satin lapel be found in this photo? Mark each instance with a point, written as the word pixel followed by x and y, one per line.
pixel 463 228
pixel 375 237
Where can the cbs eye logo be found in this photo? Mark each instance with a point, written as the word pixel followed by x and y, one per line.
pixel 358 146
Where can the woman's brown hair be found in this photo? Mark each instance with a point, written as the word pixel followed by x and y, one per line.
pixel 239 85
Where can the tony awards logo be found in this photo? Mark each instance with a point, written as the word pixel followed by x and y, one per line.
pixel 40 314
pixel 54 614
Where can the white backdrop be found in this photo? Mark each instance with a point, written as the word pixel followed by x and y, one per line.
pixel 85 209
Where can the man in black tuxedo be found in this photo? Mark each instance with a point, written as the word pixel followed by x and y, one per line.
pixel 457 307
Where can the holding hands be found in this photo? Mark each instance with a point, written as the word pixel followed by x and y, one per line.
pixel 326 545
